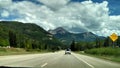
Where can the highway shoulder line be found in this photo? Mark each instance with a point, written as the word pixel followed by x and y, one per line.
pixel 44 65
pixel 84 61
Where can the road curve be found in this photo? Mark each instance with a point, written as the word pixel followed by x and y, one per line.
pixel 56 60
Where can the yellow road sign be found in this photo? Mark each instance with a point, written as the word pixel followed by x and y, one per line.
pixel 114 37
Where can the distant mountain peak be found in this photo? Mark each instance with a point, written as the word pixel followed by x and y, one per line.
pixel 66 36
pixel 58 30
pixel 88 33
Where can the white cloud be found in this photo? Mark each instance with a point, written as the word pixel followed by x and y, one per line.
pixel 54 4
pixel 5 13
pixel 114 22
pixel 74 16
pixel 4 3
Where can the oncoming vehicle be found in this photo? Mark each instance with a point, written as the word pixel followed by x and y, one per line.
pixel 68 51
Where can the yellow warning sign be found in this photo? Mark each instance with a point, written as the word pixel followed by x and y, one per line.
pixel 114 37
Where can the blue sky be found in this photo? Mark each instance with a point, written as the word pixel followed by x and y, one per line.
pixel 101 17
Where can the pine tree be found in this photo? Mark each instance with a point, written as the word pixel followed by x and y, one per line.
pixel 106 43
pixel 118 42
pixel 72 46
pixel 97 42
pixel 12 39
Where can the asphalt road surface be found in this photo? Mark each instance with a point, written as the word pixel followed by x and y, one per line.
pixel 56 60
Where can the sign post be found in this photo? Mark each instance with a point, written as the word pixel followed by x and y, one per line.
pixel 113 37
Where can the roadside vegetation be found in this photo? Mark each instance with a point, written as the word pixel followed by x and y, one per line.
pixel 109 53
pixel 104 51
pixel 17 51
pixel 99 48
pixel 12 51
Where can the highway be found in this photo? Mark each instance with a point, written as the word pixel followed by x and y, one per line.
pixel 56 60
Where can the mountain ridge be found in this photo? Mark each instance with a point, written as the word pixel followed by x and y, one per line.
pixel 67 36
pixel 28 34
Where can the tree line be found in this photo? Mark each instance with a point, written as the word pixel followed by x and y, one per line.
pixel 98 43
pixel 28 43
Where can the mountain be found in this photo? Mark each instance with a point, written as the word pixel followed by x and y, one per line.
pixel 66 37
pixel 26 33
pixel 58 30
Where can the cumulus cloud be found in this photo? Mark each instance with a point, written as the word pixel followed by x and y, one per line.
pixel 4 3
pixel 5 14
pixel 73 16
pixel 54 4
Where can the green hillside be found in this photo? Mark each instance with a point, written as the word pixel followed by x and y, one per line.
pixel 26 35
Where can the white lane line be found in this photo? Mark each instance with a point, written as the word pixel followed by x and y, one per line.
pixel 44 65
pixel 84 61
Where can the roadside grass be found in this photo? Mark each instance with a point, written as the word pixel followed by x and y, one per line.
pixel 109 51
pixel 18 51
pixel 112 54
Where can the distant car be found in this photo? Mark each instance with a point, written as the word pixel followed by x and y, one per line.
pixel 68 51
